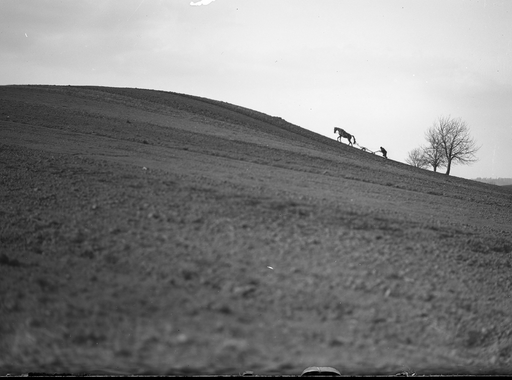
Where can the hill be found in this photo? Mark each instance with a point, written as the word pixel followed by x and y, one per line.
pixel 153 232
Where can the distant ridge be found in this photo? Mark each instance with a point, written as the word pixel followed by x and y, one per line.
pixel 495 181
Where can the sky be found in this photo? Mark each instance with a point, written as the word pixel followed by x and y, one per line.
pixel 383 70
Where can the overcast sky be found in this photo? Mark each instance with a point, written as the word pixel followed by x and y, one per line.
pixel 384 70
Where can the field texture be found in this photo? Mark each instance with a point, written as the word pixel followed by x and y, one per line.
pixel 145 232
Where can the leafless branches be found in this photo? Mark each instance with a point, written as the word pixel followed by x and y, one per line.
pixel 448 142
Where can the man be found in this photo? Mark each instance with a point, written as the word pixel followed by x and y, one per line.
pixel 384 152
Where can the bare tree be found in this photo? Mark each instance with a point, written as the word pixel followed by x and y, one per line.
pixel 452 138
pixel 416 157
pixel 434 152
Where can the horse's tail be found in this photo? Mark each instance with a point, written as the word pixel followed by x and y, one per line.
pixel 354 137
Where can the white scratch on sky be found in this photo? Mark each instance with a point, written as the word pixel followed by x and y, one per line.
pixel 202 2
pixel 135 11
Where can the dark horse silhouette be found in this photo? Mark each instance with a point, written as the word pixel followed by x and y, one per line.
pixel 345 135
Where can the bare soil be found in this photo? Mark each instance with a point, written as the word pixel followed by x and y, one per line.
pixel 147 232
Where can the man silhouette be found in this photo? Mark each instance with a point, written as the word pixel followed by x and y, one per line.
pixel 384 152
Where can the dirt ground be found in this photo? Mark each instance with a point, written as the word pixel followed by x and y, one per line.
pixel 145 232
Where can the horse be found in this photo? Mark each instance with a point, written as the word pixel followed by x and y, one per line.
pixel 345 135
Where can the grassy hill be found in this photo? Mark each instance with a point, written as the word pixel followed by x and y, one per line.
pixel 152 232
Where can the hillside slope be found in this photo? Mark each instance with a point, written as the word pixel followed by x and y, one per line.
pixel 152 232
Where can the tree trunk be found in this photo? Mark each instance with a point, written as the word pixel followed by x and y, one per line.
pixel 448 166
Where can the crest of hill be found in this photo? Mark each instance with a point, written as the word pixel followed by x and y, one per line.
pixel 260 116
pixel 223 111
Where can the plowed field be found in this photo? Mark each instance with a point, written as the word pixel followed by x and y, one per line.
pixel 146 232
